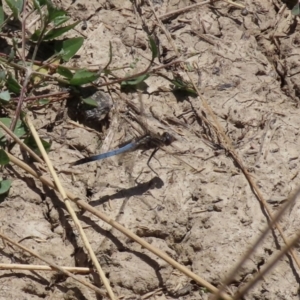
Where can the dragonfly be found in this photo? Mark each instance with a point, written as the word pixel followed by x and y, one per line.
pixel 144 142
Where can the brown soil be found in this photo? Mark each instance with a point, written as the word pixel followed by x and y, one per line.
pixel 201 210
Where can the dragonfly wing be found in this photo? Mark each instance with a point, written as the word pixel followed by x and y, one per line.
pixel 126 148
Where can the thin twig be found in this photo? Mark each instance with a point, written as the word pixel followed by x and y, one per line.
pixel 190 7
pixel 53 265
pixel 21 99
pixel 27 70
pixel 289 245
pixel 227 145
pixel 22 145
pixel 181 10
pixel 70 209
pixel 43 268
pixel 149 71
pixel 121 228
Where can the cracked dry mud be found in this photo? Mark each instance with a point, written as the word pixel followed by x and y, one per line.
pixel 202 211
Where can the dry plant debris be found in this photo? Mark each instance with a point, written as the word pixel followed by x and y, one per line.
pixel 222 78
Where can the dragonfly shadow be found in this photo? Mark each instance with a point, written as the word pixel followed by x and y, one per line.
pixel 140 189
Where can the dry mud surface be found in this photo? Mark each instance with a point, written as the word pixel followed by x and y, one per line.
pixel 201 209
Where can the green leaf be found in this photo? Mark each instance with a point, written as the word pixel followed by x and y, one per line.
pixel 35 36
pixel 30 142
pixel 90 102
pixel 153 48
pixel 43 101
pixel 69 47
pixel 5 96
pixel 5 121
pixel 64 72
pixel 4 186
pixel 83 76
pixel 4 159
pixel 56 15
pixel 60 20
pixel 19 131
pixel 296 10
pixel 36 4
pixel 16 6
pixel 54 12
pixel 2 75
pixel 2 16
pixel 56 32
pixel 182 86
pixel 39 3
pixel 12 53
pixel 12 84
pixel 135 81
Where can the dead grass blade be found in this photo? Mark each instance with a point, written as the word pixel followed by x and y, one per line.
pixel 227 145
pixel 53 265
pixel 121 228
pixel 22 145
pixel 70 209
pixel 23 267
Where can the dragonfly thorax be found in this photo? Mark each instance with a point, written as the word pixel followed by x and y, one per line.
pixel 167 138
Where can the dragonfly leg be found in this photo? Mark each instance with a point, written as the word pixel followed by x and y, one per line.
pixel 148 162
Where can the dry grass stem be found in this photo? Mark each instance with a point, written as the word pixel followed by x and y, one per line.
pixel 121 228
pixel 22 145
pixel 227 144
pixel 42 268
pixel 70 209
pixel 53 265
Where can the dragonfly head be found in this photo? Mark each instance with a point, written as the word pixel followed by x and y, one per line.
pixel 167 138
